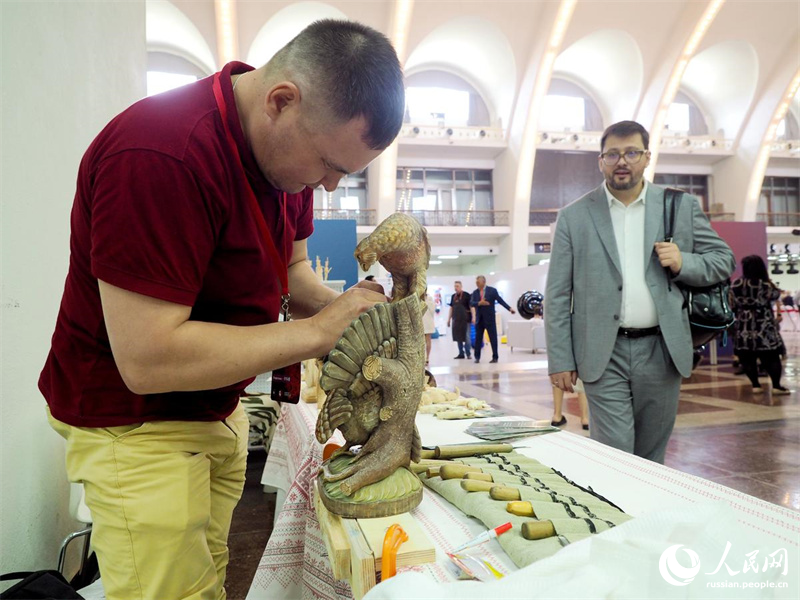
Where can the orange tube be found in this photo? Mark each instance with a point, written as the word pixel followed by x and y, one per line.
pixel 394 538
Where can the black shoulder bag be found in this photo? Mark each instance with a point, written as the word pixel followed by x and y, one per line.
pixel 708 307
pixel 44 585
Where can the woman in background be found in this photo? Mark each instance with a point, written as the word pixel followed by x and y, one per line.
pixel 428 325
pixel 757 335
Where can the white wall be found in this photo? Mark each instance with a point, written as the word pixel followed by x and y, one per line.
pixel 67 68
pixel 510 284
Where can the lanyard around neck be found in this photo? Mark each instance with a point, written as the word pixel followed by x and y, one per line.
pixel 280 260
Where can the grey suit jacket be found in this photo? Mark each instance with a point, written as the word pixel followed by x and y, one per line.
pixel 584 280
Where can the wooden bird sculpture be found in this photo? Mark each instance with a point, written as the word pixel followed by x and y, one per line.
pixel 374 379
pixel 401 245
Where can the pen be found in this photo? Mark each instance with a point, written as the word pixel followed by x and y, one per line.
pixel 484 537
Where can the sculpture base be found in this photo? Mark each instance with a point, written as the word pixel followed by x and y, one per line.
pixel 398 493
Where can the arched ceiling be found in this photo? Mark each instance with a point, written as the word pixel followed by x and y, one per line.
pixel 723 79
pixel 479 52
pixel 285 25
pixel 169 30
pixel 608 64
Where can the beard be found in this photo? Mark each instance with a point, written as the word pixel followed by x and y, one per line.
pixel 625 185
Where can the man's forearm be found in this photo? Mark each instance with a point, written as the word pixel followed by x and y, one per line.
pixel 203 356
pixel 157 348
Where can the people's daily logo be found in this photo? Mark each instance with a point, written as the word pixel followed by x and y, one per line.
pixel 673 571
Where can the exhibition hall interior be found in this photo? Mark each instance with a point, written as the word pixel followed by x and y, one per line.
pixel 506 105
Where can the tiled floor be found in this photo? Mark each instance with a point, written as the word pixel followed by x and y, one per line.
pixel 724 433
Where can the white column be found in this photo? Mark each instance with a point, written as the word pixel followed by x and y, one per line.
pixel 68 67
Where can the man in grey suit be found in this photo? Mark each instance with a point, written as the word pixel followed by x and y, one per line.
pixel 612 316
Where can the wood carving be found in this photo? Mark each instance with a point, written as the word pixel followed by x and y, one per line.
pixel 374 379
pixel 401 245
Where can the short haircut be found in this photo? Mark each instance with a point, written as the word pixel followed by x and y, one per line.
pixel 625 129
pixel 457 282
pixel 481 277
pixel 350 71
pixel 754 268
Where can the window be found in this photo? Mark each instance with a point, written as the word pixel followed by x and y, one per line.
pixel 697 185
pixel 444 189
pixel 563 113
pixel 780 200
pixel 159 81
pixel 678 118
pixel 438 106
pixel 351 194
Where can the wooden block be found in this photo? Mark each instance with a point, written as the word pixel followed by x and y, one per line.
pixel 417 550
pixel 362 561
pixel 335 538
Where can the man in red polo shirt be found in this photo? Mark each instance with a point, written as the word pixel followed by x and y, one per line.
pixel 189 225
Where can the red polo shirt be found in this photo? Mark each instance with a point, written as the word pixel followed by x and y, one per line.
pixel 160 210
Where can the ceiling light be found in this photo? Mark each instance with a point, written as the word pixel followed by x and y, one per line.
pixel 448 256
pixel 434 262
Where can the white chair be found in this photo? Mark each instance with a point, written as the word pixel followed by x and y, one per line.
pixel 80 512
pixel 527 334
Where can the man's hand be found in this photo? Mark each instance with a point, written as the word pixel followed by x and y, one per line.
pixel 669 255
pixel 513 312
pixel 564 380
pixel 332 320
pixel 448 322
pixel 483 303
pixel 373 286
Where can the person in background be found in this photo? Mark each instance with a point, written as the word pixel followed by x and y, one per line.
pixel 461 317
pixel 483 315
pixel 428 324
pixel 558 419
pixel 188 242
pixel 757 335
pixel 615 315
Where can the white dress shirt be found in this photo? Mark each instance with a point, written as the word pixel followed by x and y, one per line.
pixel 638 309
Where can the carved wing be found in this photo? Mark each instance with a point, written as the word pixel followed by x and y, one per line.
pixel 353 403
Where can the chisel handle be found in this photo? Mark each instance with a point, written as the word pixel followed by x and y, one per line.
pixel 500 492
pixel 456 471
pixel 521 509
pixel 538 530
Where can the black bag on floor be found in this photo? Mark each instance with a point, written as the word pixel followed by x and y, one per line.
pixel 709 308
pixel 36 585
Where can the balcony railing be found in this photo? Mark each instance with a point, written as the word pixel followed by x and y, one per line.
pixel 675 144
pixel 721 216
pixel 459 218
pixel 543 216
pixel 452 134
pixel 361 217
pixel 776 219
pixel 546 216
pixel 786 148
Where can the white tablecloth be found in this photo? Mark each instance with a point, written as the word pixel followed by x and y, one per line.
pixel 295 565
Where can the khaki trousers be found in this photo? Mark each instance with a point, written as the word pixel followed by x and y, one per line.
pixel 162 495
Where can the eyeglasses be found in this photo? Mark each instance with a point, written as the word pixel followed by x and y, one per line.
pixel 631 156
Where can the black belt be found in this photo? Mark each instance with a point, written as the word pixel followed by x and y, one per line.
pixel 632 333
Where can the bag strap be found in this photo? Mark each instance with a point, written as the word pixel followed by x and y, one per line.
pixel 672 199
pixel 16 575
